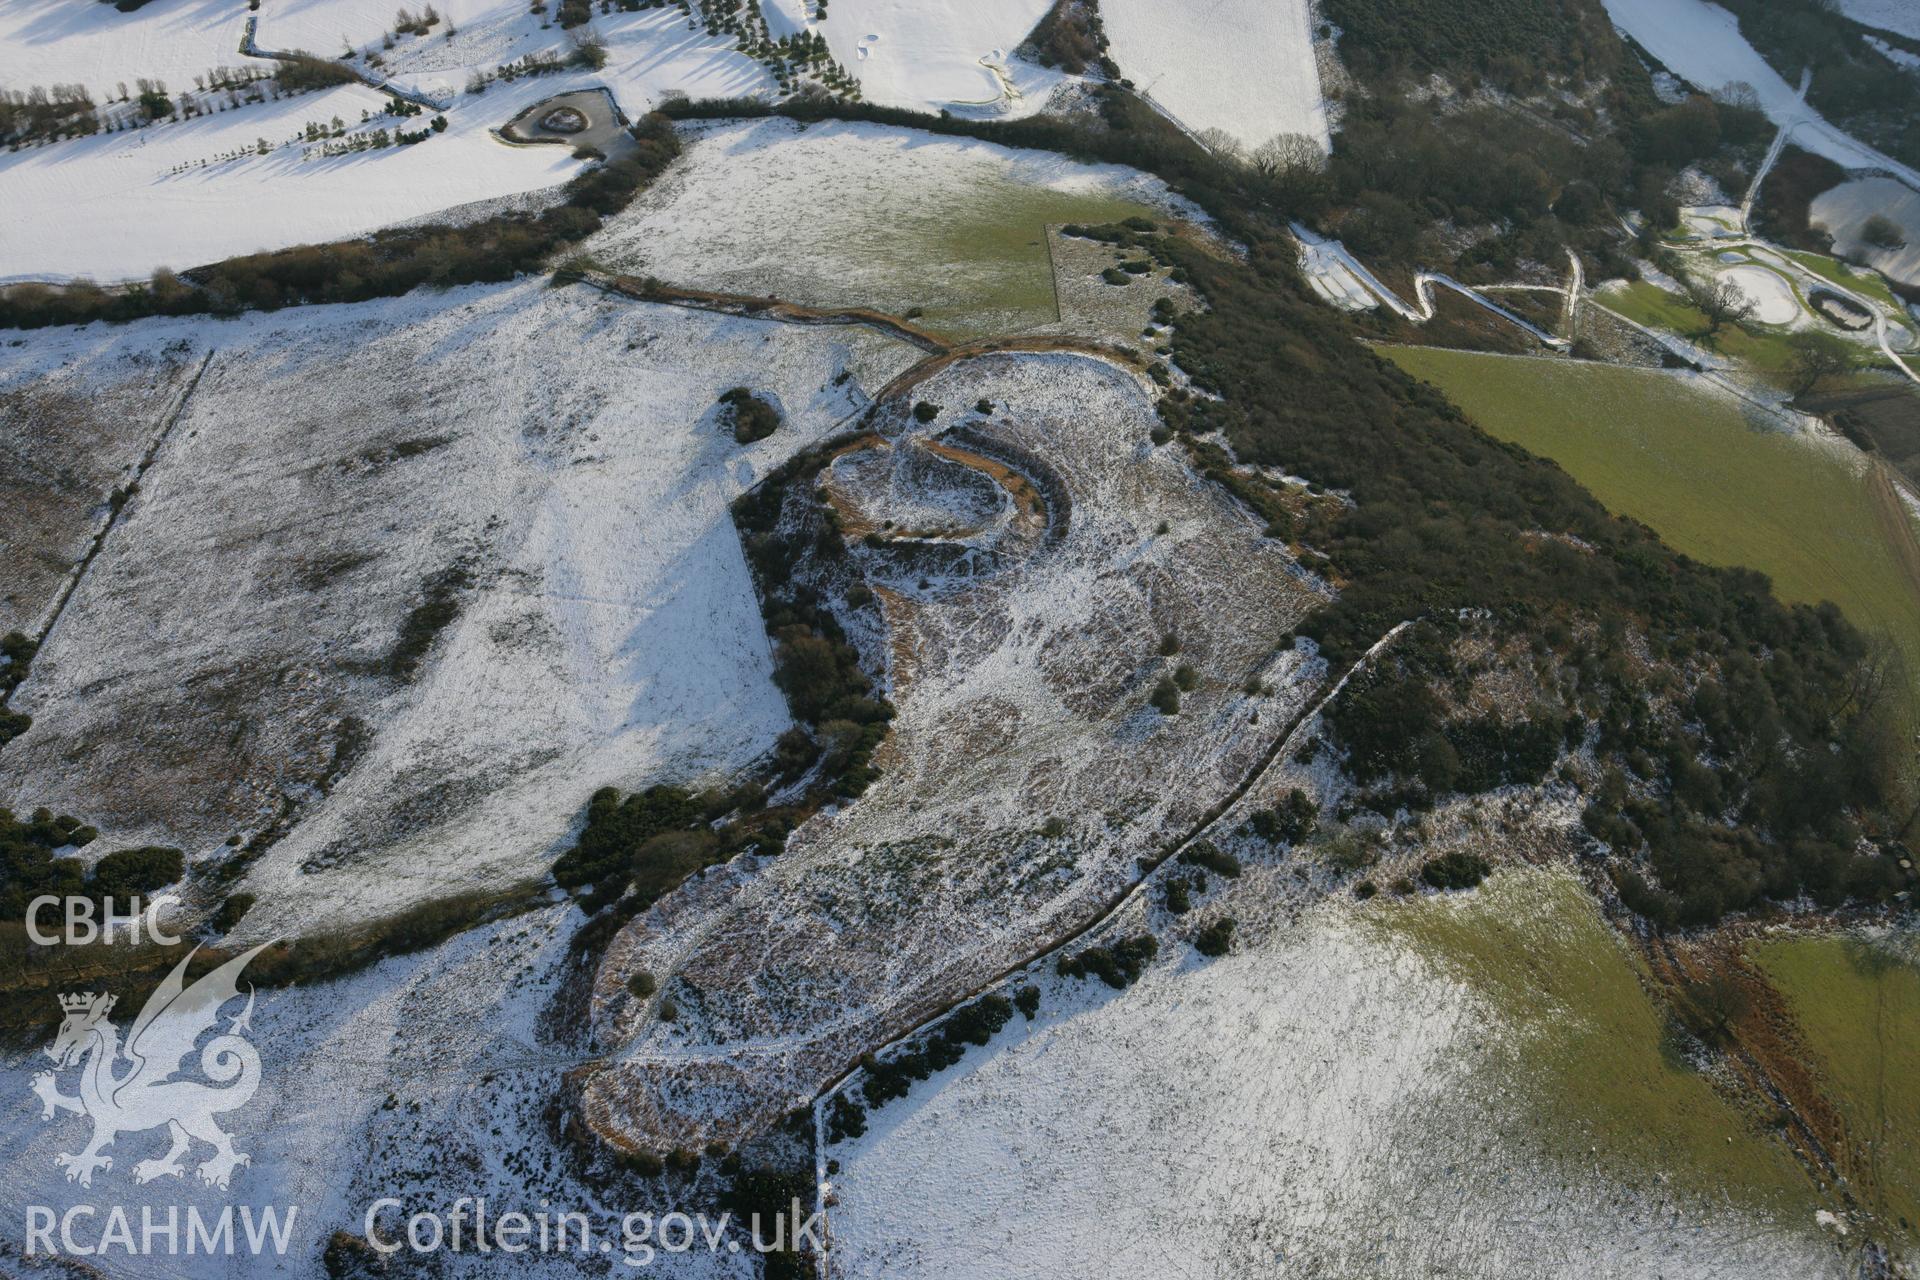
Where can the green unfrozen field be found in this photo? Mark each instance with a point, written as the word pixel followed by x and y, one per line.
pixel 1688 464
pixel 1863 282
pixel 841 215
pixel 974 261
pixel 986 258
pixel 1857 1005
pixel 1588 1044
pixel 1766 352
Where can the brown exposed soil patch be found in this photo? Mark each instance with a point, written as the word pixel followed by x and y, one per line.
pixel 1032 506
pixel 1771 1066
pixel 775 309
pixel 903 655
pixel 854 522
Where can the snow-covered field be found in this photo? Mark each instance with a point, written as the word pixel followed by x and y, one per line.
pixel 49 42
pixel 1245 66
pixel 649 53
pixel 328 27
pixel 1193 1124
pixel 1844 209
pixel 1325 1101
pixel 354 1074
pixel 840 214
pixel 73 41
pixel 113 207
pixel 69 436
pixel 1902 16
pixel 1335 1097
pixel 1701 42
pixel 934 54
pixel 557 445
pixel 1772 296
pixel 116 206
pixel 1020 665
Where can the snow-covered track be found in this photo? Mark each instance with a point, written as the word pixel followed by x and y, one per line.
pixel 1422 309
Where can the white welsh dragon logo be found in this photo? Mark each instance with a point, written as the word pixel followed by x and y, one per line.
pixel 145 1093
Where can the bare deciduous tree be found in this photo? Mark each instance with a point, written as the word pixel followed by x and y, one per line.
pixel 1289 153
pixel 1816 357
pixel 1222 144
pixel 1714 1006
pixel 1720 301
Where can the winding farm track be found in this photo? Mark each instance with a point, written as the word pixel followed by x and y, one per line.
pixel 768 308
pixel 1575 289
pixel 1422 309
pixel 940 351
pixel 1424 282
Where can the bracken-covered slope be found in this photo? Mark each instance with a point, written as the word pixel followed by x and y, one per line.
pixel 1026 771
pixel 75 424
